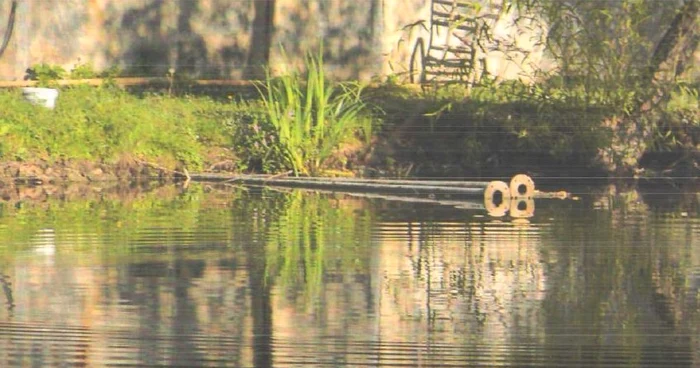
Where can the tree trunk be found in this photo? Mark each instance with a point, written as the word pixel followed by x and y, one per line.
pixel 677 45
pixel 261 39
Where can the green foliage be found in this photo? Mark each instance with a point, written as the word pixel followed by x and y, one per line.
pixel 108 76
pixel 83 71
pixel 46 75
pixel 311 237
pixel 312 116
pixel 601 53
pixel 255 141
pixel 105 124
pixel 454 128
pixel 685 100
pixel 678 127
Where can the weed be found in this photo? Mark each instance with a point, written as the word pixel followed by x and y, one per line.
pixel 82 71
pixel 46 75
pixel 312 116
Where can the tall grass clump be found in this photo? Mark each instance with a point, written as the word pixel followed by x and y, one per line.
pixel 311 116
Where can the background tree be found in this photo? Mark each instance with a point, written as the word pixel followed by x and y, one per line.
pixel 633 54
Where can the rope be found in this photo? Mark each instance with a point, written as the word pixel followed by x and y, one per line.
pixel 10 28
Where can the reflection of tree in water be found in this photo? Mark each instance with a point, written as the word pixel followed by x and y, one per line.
pixel 619 284
pixel 482 281
pixel 6 284
pixel 144 286
pixel 257 213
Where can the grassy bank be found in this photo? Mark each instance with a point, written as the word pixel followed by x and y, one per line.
pixel 108 124
pixel 449 131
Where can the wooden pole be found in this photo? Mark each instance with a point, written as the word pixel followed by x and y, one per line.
pixel 129 81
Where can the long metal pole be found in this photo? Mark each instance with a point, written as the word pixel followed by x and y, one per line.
pixel 520 185
pixel 464 184
pixel 359 186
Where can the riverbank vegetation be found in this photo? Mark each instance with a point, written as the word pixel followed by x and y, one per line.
pixel 620 101
pixel 449 131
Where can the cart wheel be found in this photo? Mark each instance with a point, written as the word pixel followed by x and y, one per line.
pixel 417 64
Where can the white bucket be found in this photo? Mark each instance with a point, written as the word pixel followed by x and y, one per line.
pixel 41 96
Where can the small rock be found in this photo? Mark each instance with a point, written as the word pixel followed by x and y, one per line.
pixel 75 177
pixel 96 175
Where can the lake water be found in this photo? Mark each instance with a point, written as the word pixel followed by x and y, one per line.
pixel 246 277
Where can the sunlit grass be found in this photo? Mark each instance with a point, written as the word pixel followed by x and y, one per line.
pixel 312 116
pixel 104 124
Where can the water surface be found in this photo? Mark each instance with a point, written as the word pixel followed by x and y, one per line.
pixel 246 277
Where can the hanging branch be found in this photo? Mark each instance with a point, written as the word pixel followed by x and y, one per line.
pixel 10 28
pixel 680 36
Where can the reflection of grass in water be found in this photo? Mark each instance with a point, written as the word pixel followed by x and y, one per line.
pixel 111 224
pixel 313 238
pixel 307 236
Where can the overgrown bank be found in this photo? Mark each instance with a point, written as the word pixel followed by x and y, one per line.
pixel 106 133
pixel 547 128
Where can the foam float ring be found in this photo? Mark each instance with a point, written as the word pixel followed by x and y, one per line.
pixel 522 207
pixel 522 185
pixel 497 198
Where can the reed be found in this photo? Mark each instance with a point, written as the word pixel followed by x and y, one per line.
pixel 312 116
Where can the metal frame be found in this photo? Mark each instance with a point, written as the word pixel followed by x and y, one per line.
pixel 439 60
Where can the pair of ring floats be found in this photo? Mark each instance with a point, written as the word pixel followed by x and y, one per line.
pixel 516 197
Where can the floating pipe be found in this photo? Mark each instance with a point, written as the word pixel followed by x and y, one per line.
pixel 492 209
pixel 521 185
pixel 465 184
pixel 497 193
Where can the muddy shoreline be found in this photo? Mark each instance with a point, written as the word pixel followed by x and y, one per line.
pixel 39 180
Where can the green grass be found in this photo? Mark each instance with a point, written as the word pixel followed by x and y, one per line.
pixel 106 124
pixel 312 116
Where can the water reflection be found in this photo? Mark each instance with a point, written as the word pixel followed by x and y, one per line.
pixel 6 284
pixel 249 277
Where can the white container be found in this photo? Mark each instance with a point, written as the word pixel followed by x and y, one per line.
pixel 41 96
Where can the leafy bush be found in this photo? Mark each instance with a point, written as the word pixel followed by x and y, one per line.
pixel 254 142
pixel 46 74
pixel 83 71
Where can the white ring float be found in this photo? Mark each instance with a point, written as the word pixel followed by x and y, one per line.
pixel 522 185
pixel 497 198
